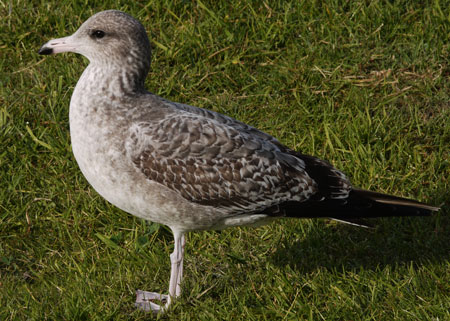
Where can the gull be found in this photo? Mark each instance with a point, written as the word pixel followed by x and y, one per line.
pixel 186 167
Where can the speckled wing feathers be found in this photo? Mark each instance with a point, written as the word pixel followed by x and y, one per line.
pixel 211 159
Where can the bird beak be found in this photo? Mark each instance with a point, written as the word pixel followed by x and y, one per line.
pixel 57 45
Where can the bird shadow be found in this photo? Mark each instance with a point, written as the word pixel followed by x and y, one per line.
pixel 394 241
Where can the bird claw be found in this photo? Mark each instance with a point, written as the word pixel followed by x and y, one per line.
pixel 144 301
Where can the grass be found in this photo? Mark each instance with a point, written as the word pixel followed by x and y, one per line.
pixel 363 84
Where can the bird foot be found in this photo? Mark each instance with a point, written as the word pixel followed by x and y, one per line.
pixel 145 301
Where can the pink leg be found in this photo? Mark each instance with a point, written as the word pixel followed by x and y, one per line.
pixel 144 299
pixel 176 271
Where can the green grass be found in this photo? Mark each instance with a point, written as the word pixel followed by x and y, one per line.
pixel 363 84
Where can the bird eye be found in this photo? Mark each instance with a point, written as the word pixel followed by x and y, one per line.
pixel 98 34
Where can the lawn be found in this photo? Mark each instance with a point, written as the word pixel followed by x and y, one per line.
pixel 363 84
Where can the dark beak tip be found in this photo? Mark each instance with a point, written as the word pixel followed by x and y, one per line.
pixel 45 51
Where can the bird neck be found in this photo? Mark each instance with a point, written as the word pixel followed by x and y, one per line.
pixel 115 80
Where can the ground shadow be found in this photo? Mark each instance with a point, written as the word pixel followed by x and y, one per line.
pixel 393 241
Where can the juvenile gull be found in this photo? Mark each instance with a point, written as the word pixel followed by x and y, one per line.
pixel 187 167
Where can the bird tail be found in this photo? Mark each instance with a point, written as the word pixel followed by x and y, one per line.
pixel 359 204
pixel 373 204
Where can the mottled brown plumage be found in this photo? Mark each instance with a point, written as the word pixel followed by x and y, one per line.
pixel 215 164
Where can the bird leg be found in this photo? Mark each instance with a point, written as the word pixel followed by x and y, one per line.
pixel 144 299
pixel 176 273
